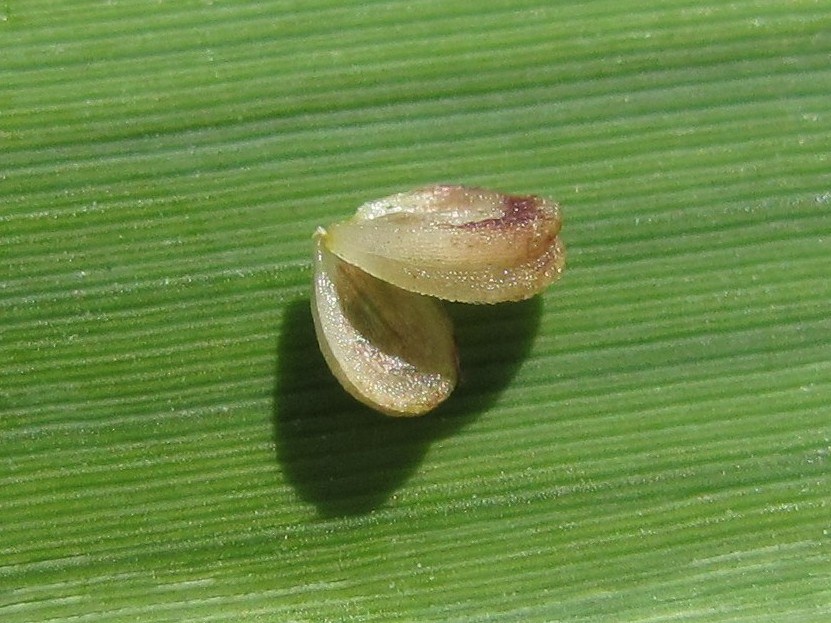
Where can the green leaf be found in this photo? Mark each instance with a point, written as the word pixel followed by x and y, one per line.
pixel 648 441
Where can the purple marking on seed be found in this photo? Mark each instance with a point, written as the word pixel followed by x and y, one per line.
pixel 517 210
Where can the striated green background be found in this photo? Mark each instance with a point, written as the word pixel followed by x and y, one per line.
pixel 649 441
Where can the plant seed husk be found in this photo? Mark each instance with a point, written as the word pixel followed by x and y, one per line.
pixel 456 243
pixel 391 349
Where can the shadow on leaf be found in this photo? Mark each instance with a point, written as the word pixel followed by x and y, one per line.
pixel 344 458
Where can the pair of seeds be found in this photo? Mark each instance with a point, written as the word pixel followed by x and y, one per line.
pixel 378 277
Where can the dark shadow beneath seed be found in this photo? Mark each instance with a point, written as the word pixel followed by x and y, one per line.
pixel 344 458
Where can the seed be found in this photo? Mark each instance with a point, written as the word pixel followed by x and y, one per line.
pixel 456 243
pixel 385 338
pixel 391 349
